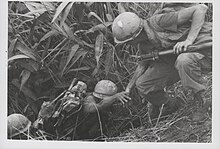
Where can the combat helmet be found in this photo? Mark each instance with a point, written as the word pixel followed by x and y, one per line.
pixel 126 27
pixel 105 88
pixel 17 124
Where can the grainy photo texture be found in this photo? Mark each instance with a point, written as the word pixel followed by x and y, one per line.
pixel 110 71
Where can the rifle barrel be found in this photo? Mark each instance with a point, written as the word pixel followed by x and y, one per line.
pixel 190 48
pixel 166 52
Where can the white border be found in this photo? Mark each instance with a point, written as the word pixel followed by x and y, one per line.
pixel 29 144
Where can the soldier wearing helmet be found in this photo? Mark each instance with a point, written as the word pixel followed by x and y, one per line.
pixel 18 126
pixel 95 108
pixel 87 113
pixel 106 92
pixel 171 29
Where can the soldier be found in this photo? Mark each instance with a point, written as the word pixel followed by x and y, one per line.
pixel 96 107
pixel 168 30
pixel 80 117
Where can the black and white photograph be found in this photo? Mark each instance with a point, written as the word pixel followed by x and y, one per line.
pixel 110 71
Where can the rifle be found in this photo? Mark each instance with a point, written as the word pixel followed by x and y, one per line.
pixel 154 55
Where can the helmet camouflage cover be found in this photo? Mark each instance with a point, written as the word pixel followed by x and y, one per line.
pixel 17 124
pixel 105 88
pixel 126 27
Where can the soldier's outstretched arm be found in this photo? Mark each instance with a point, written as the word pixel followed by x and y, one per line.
pixel 138 72
pixel 195 14
pixel 90 105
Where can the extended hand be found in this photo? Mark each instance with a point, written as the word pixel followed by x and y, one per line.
pixel 127 90
pixel 122 97
pixel 181 47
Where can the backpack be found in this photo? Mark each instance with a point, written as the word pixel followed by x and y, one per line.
pixel 68 103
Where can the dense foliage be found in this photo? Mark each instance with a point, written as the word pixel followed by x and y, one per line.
pixel 52 42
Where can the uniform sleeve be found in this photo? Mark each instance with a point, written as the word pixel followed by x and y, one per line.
pixel 165 21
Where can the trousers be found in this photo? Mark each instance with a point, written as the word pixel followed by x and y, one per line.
pixel 186 67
